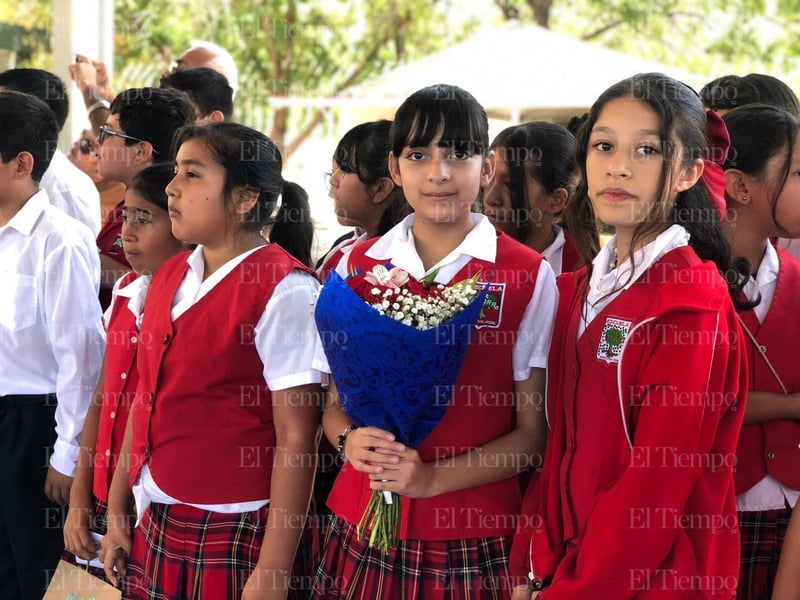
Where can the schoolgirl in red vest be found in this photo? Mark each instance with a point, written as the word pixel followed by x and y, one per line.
pixel 529 190
pixel 647 371
pixel 762 176
pixel 147 241
pixel 364 195
pixel 220 447
pixel 459 487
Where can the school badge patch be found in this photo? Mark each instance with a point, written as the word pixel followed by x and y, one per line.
pixel 492 311
pixel 614 333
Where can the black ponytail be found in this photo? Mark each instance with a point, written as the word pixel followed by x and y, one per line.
pixel 293 228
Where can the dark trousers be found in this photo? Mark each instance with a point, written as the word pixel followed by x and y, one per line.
pixel 31 538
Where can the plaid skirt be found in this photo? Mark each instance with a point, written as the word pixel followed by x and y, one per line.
pixel 762 534
pixel 474 569
pixel 184 552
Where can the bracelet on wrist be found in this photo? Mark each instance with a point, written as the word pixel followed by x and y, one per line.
pixel 96 105
pixel 342 439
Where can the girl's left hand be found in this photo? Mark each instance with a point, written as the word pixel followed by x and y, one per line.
pixel 410 477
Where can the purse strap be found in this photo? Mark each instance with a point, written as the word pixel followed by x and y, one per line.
pixel 762 350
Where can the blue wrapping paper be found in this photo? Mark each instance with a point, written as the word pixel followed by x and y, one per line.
pixel 387 374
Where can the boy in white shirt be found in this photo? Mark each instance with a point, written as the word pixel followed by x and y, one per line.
pixel 51 348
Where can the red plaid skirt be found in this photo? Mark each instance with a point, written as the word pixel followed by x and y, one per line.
pixel 762 534
pixel 474 569
pixel 184 552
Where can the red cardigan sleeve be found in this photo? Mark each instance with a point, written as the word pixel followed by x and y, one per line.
pixel 660 516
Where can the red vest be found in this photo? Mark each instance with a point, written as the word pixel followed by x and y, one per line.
pixel 570 257
pixel 774 447
pixel 637 487
pixel 119 388
pixel 482 409
pixel 331 261
pixel 202 419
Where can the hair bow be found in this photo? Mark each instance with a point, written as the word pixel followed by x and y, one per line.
pixel 719 142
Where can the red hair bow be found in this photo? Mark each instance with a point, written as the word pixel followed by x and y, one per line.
pixel 719 142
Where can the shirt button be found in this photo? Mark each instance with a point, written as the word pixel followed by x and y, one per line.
pixel 108 452
pixel 112 415
pixel 166 339
pixel 134 339
pixel 151 398
pixel 123 375
pixel 770 455
pixel 146 451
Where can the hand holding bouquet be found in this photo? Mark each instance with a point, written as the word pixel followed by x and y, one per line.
pixel 395 346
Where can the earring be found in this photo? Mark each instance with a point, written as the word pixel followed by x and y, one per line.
pixel 744 198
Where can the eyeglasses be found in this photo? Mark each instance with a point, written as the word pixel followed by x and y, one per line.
pixel 328 175
pixel 136 216
pixel 85 146
pixel 106 131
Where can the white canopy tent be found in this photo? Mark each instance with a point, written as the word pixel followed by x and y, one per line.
pixel 518 72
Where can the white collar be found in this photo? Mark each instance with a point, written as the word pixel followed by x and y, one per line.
pixel 767 272
pixel 606 280
pixel 398 245
pixel 557 244
pixel 136 292
pixel 25 219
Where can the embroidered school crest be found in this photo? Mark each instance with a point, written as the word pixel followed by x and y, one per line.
pixel 614 333
pixel 492 311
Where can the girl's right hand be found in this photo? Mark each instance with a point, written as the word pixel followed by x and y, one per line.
pixel 115 547
pixel 368 448
pixel 77 537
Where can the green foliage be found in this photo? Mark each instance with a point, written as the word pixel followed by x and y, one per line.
pixel 25 27
pixel 709 37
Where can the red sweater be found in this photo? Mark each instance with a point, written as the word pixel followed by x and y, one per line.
pixel 773 448
pixel 202 419
pixel 637 485
pixel 482 408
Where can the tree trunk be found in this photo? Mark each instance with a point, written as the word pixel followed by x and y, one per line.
pixel 541 12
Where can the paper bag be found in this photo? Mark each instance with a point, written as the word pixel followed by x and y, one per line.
pixel 73 583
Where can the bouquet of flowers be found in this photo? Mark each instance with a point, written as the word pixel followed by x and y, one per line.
pixel 395 346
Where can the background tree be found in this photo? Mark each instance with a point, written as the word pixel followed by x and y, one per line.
pixel 296 49
pixel 706 36
pixel 284 48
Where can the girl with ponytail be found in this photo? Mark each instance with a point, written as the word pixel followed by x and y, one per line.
pixel 219 451
pixel 645 370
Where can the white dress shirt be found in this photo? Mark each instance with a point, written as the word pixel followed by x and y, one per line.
pixel 285 339
pixel 73 191
pixel 769 493
pixel 536 329
pixel 554 253
pixel 51 334
pixel 135 293
pixel 609 279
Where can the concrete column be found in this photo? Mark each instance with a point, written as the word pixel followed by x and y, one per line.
pixel 80 27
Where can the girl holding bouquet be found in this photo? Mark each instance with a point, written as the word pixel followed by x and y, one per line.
pixel 221 440
pixel 763 195
pixel 456 484
pixel 647 370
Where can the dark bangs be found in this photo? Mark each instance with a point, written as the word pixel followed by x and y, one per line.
pixel 441 108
